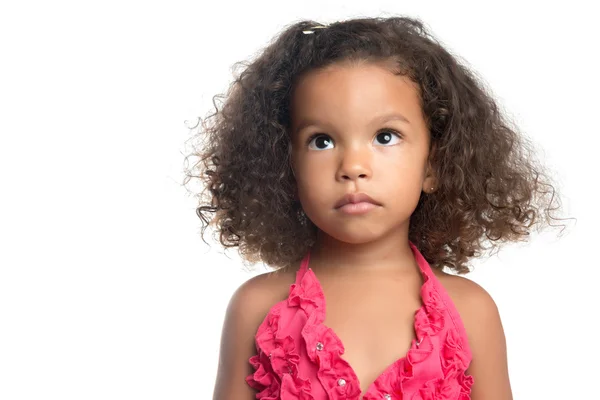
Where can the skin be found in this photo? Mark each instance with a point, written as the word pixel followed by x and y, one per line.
pixel 364 255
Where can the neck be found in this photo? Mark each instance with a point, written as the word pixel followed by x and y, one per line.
pixel 391 253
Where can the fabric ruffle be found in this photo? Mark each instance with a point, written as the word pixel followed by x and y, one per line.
pixel 277 377
pixel 276 364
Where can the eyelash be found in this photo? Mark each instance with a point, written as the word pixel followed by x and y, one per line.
pixel 388 130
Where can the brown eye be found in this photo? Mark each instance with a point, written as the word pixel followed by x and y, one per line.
pixel 387 137
pixel 319 141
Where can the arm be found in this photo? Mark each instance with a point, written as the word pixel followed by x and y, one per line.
pixel 480 316
pixel 237 345
pixel 489 366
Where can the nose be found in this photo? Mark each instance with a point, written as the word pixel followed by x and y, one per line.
pixel 354 164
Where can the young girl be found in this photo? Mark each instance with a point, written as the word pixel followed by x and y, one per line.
pixel 359 159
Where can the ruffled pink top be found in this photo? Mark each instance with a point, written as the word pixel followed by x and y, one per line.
pixel 298 357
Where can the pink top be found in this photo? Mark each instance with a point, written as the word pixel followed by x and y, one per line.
pixel 298 357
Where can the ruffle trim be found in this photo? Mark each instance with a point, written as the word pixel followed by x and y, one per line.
pixel 276 364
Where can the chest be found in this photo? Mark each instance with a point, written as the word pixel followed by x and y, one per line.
pixel 374 319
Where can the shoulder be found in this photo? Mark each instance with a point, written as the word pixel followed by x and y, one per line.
pixel 251 301
pixel 470 298
pixel 478 310
pixel 253 298
pixel 481 319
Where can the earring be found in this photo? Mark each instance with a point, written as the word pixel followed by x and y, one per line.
pixel 302 217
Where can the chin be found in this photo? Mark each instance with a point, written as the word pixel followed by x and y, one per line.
pixel 357 240
pixel 354 236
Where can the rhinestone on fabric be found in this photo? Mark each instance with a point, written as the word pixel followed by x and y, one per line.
pixel 319 346
pixel 387 396
pixel 341 382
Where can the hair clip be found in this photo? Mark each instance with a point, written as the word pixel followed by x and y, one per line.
pixel 307 32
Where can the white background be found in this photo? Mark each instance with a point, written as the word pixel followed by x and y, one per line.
pixel 107 290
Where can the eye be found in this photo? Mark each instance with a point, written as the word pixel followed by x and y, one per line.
pixel 321 141
pixel 387 137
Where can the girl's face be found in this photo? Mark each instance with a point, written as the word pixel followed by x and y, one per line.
pixel 359 129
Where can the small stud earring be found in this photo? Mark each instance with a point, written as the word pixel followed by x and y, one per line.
pixel 302 217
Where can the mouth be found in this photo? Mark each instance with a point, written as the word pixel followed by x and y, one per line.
pixel 356 201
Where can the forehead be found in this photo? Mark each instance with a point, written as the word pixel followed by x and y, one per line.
pixel 344 95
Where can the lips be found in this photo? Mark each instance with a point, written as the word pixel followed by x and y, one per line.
pixel 354 198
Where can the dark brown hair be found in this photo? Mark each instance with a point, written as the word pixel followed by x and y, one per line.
pixel 490 188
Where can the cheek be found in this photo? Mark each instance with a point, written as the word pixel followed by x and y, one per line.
pixel 400 177
pixel 309 185
pixel 313 186
pixel 311 169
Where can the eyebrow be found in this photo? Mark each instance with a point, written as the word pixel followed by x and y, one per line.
pixel 381 119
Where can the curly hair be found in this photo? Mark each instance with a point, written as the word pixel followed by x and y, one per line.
pixel 490 189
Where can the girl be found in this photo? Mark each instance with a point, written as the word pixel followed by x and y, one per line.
pixel 358 160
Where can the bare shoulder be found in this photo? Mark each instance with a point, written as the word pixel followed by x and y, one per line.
pixel 259 293
pixel 481 318
pixel 468 296
pixel 251 301
pixel 247 308
pixel 475 305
